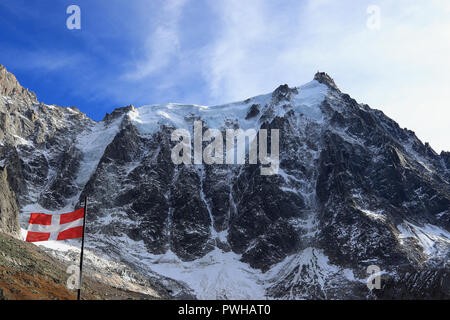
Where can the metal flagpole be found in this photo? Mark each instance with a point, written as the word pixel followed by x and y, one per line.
pixel 82 248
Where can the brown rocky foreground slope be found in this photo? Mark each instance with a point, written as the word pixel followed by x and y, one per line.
pixel 28 273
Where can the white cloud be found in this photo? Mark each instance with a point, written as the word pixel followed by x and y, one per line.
pixel 402 69
pixel 253 46
pixel 239 61
pixel 162 44
pixel 43 60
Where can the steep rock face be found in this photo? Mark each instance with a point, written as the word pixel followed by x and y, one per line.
pixel 9 212
pixel 353 189
pixel 38 144
pixel 421 283
pixel 9 86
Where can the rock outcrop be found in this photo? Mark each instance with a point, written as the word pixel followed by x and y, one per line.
pixel 9 212
pixel 9 86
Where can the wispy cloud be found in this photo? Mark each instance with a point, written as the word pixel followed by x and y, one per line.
pixel 44 60
pixel 211 52
pixel 402 69
pixel 242 59
pixel 163 44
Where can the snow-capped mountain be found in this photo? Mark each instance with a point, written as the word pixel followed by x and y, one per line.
pixel 353 190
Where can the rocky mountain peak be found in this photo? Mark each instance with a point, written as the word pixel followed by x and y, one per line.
pixel 325 79
pixel 118 112
pixel 9 86
pixel 283 92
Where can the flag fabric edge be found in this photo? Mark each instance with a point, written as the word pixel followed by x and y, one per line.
pixel 45 227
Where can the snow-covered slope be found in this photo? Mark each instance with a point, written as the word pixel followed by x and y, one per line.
pixel 148 119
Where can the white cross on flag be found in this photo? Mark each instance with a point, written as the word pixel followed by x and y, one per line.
pixel 45 227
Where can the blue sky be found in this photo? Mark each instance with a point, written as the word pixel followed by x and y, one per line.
pixel 209 52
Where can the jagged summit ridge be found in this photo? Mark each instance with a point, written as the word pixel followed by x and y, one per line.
pixel 250 113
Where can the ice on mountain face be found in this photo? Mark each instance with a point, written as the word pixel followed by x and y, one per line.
pixel 309 98
pixel 376 215
pixel 310 267
pixel 435 241
pixel 217 275
pixel 92 145
pixel 148 118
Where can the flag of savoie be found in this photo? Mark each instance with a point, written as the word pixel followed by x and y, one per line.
pixel 45 227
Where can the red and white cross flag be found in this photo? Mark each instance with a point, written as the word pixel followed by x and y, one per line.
pixel 45 227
